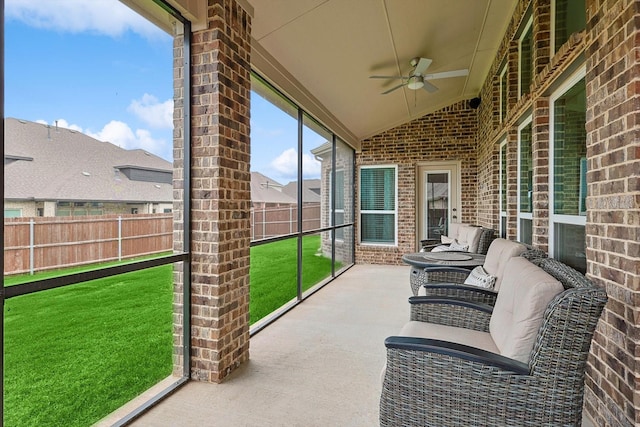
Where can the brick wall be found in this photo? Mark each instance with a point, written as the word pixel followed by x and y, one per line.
pixel 220 193
pixel 609 46
pixel 449 134
pixel 613 207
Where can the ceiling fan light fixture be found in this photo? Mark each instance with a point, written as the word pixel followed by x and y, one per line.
pixel 415 82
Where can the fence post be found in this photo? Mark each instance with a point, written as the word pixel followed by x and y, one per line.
pixel 290 219
pixel 264 222
pixel 31 244
pixel 119 238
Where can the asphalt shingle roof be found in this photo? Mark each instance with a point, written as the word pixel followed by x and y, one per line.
pixel 71 166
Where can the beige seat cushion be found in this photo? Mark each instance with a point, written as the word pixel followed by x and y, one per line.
pixel 518 313
pixel 464 336
pixel 500 251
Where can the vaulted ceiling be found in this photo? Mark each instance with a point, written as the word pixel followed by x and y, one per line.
pixel 322 52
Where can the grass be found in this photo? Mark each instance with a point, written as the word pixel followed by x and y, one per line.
pixel 274 270
pixel 77 353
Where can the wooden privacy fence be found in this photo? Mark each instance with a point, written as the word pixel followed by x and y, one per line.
pixel 44 243
pixel 276 221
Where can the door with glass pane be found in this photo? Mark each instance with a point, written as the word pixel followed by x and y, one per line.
pixel 438 199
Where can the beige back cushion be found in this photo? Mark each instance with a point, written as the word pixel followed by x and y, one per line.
pixel 469 235
pixel 500 251
pixel 517 316
pixel 453 230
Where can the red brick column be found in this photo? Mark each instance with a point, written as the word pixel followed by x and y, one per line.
pixel 220 194
pixel 541 160
pixel 613 208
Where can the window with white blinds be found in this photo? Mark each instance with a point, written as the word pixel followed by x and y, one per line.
pixel 378 205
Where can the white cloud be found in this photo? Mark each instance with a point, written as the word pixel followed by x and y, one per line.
pixel 153 113
pixel 64 124
pixel 120 134
pixel 287 165
pixel 61 123
pixel 109 17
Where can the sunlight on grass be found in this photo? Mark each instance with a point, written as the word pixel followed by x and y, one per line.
pixel 75 354
pixel 274 269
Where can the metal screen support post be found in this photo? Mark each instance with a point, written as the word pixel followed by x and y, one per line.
pixel 31 244
pixel 119 238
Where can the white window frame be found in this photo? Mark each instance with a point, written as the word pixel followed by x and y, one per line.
pixel 502 78
pixel 502 209
pixel 554 218
pixel 552 41
pixel 394 212
pixel 522 215
pixel 520 39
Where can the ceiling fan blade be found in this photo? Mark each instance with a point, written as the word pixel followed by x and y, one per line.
pixel 446 74
pixel 423 64
pixel 388 77
pixel 430 87
pixel 393 88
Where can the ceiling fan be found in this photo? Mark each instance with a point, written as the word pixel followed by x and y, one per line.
pixel 418 79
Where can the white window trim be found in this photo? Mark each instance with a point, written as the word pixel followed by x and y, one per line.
pixel 502 209
pixel 502 77
pixel 521 215
pixel 520 39
pixel 394 212
pixel 553 217
pixel 552 42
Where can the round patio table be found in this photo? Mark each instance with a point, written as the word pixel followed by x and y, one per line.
pixel 439 259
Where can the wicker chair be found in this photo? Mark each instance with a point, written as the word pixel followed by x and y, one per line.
pixel 431 382
pixel 486 237
pixel 448 281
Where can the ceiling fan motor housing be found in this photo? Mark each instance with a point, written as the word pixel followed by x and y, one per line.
pixel 415 82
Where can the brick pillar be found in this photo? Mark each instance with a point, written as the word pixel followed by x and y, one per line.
pixel 512 183
pixel 541 35
pixel 220 193
pixel 541 159
pixel 613 208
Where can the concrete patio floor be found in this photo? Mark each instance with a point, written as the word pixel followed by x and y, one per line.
pixel 318 365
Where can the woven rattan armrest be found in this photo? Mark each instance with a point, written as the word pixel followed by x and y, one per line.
pixel 462 292
pixel 428 275
pixel 451 312
pixel 459 351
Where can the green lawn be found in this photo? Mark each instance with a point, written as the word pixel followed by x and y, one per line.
pixel 274 270
pixel 75 354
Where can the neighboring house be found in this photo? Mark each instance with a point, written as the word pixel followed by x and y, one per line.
pixel 267 193
pixel 311 190
pixel 338 210
pixel 52 171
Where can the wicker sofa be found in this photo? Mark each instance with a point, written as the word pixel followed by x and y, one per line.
pixel 449 280
pixel 477 238
pixel 458 367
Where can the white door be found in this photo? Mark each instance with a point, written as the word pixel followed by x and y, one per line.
pixel 438 199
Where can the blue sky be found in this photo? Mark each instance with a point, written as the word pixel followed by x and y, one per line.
pixel 99 68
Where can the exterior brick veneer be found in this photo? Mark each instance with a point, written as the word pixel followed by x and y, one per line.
pixel 613 207
pixel 220 194
pixel 449 134
pixel 609 46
